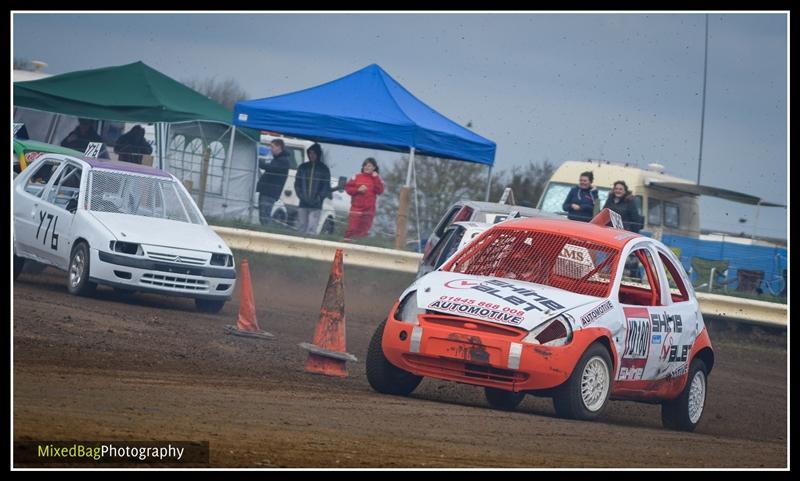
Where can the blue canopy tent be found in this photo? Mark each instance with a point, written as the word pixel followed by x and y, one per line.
pixel 368 108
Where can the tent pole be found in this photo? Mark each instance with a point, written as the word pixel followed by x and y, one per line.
pixel 226 178
pixel 489 184
pixel 416 207
pixel 402 211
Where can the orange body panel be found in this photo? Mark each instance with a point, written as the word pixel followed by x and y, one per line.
pixel 474 352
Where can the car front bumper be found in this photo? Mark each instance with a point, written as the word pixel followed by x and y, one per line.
pixel 199 282
pixel 473 352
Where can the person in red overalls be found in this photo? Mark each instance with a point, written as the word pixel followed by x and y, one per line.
pixel 364 188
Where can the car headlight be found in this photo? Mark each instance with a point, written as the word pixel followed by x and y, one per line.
pixel 554 332
pixel 131 248
pixel 408 311
pixel 222 260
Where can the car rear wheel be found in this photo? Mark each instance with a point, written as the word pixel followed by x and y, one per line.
pixel 684 412
pixel 585 394
pixel 503 400
pixel 78 282
pixel 19 263
pixel 382 375
pixel 210 306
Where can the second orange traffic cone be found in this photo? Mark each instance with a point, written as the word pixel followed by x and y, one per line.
pixel 246 324
pixel 327 355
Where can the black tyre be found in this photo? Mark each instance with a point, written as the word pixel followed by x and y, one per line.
pixel 382 375
pixel 78 282
pixel 503 400
pixel 210 306
pixel 684 412
pixel 585 394
pixel 19 263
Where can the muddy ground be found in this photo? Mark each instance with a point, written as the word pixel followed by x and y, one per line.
pixel 152 368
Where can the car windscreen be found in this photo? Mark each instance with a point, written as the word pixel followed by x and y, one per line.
pixel 553 198
pixel 144 195
pixel 561 261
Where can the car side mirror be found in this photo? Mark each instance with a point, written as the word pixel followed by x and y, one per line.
pixel 341 184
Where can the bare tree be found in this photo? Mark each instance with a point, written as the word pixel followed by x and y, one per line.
pixel 440 182
pixel 528 182
pixel 227 91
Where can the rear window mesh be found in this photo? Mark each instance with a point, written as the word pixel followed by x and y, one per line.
pixel 148 196
pixel 564 262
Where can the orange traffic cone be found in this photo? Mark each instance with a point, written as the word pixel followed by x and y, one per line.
pixel 327 355
pixel 247 325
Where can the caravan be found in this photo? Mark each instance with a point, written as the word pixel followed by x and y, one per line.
pixel 666 208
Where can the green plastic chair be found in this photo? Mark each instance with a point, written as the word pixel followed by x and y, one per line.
pixel 702 267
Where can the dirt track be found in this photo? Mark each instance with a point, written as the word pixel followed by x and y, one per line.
pixel 151 368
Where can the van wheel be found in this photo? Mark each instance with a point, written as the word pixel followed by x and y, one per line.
pixel 384 376
pixel 502 399
pixel 78 282
pixel 684 412
pixel 585 394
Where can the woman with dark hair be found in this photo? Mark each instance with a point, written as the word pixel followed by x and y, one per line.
pixel 580 202
pixel 621 201
pixel 364 188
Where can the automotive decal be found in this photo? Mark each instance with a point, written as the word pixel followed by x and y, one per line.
pixel 510 302
pixel 595 313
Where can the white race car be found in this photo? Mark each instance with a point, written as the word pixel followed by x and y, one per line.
pixel 129 226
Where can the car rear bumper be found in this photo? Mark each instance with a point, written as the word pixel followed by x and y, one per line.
pixel 482 354
pixel 165 278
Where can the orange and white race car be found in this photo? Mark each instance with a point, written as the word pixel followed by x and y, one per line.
pixel 575 311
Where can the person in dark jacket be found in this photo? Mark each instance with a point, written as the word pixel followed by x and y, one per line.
pixel 621 201
pixel 313 185
pixel 81 135
pixel 132 146
pixel 272 180
pixel 581 199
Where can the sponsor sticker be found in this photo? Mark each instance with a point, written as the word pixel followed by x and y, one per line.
pixel 478 309
pixel 637 345
pixel 243 117
pixel 595 313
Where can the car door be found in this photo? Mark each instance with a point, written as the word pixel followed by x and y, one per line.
pixel 31 222
pixel 62 200
pixel 640 296
pixel 676 326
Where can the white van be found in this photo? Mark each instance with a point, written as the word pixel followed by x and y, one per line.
pixel 285 209
pixel 662 199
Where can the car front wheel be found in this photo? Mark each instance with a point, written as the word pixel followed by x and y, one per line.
pixel 684 412
pixel 384 376
pixel 209 305
pixel 78 282
pixel 585 394
pixel 503 400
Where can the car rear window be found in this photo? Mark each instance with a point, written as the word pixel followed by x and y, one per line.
pixel 564 262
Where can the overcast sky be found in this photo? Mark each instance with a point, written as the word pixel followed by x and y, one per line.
pixel 621 87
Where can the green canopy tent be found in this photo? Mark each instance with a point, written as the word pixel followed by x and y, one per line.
pixel 132 93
